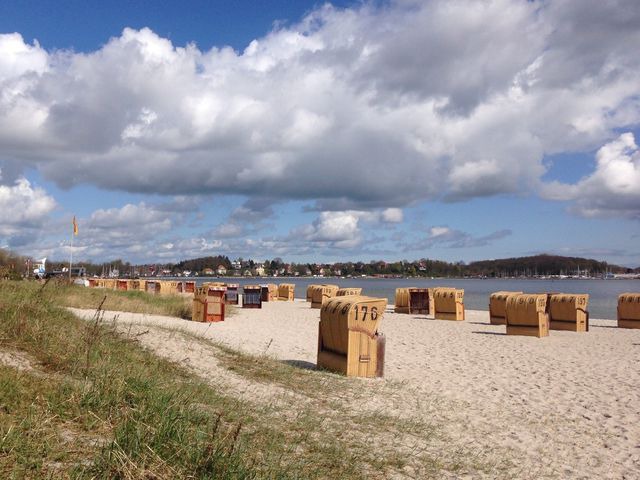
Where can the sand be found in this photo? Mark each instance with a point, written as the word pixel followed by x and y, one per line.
pixel 565 406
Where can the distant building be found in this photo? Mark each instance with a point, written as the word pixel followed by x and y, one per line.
pixel 260 271
pixel 221 270
pixel 207 271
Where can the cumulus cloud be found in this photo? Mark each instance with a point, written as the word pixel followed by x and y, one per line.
pixel 19 58
pixel 343 229
pixel 23 207
pixel 392 215
pixel 338 229
pixel 141 218
pixel 443 236
pixel 612 189
pixel 366 107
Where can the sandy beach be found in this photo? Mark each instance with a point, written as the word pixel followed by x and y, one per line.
pixel 565 406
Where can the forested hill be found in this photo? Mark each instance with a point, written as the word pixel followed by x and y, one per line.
pixel 541 265
pixel 199 264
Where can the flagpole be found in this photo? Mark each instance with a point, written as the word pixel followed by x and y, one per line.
pixel 71 254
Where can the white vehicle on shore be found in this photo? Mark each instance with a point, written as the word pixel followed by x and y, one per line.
pixel 40 268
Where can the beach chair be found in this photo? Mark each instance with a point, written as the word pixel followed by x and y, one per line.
pixel 269 292
pixel 348 338
pixel 142 285
pixel 497 307
pixel 168 287
pixel 310 289
pixel 152 286
pixel 231 294
pixel 286 292
pixel 629 310
pixel 344 292
pixel 421 301
pixel 401 303
pixel 208 304
pixel 526 314
pixel 264 293
pixel 252 296
pixel 448 304
pixel 568 312
pixel 189 286
pixel 319 295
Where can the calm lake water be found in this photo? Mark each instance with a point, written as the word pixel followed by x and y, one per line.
pixel 603 294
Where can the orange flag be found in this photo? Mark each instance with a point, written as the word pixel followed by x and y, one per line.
pixel 75 226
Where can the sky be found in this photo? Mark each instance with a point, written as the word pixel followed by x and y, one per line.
pixel 398 129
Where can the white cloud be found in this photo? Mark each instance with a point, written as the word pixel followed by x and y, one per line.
pixel 23 207
pixel 340 230
pixel 329 230
pixel 435 232
pixel 369 107
pixel 19 58
pixel 339 227
pixel 392 215
pixel 137 219
pixel 612 189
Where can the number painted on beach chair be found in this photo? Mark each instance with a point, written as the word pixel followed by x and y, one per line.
pixel 364 310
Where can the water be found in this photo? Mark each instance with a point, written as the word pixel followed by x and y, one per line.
pixel 603 294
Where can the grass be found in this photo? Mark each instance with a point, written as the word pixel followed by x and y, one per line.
pixel 97 405
pixel 124 301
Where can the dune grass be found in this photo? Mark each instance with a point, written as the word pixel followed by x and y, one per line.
pixel 124 301
pixel 99 406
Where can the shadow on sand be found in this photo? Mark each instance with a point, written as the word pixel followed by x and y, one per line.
pixel 301 364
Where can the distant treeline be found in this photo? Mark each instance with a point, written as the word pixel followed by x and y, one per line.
pixel 538 265
pixel 543 265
